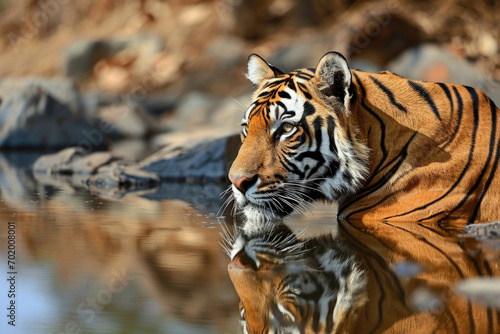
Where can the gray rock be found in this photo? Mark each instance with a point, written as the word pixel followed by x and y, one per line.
pixel 96 170
pixel 199 160
pixel 303 54
pixel 192 111
pixel 227 51
pixel 72 160
pixel 485 290
pixel 62 89
pixel 434 63
pixel 199 110
pixel 30 116
pixel 81 56
pixel 127 120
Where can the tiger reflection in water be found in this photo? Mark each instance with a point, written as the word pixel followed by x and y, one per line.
pixel 348 284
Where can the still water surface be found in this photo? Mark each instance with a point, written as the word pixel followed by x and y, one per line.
pixel 150 261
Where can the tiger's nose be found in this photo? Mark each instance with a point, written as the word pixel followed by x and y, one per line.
pixel 242 261
pixel 243 182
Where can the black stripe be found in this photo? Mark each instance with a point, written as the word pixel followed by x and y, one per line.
pixel 382 141
pixel 284 95
pixel 389 94
pixel 382 130
pixel 427 242
pixel 460 177
pixel 304 91
pixel 399 159
pixel 495 161
pixel 329 316
pixel 446 90
pixel 475 108
pixel 471 316
pixel 460 104
pixel 422 91
pixel 331 129
pixel 308 109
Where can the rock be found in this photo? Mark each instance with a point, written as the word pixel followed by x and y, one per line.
pixel 81 56
pixel 96 170
pixel 425 300
pixel 159 105
pixel 32 117
pixel 227 51
pixel 72 160
pixel 202 160
pixel 434 63
pixel 199 110
pixel 407 269
pixel 485 290
pixel 482 232
pixel 62 89
pixel 127 120
pixel 197 159
pixel 131 148
pixel 192 111
pixel 122 174
pixel 302 54
pixel 374 33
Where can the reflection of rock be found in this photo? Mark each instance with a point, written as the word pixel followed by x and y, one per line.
pixel 204 197
pixel 36 114
pixel 17 186
pixel 434 63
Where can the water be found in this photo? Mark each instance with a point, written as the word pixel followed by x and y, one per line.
pixel 150 261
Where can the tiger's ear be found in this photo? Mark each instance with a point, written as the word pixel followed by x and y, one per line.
pixel 334 76
pixel 260 70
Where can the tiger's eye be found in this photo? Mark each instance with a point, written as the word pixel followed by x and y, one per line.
pixel 287 127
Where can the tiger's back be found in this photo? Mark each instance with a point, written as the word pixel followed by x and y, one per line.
pixel 434 153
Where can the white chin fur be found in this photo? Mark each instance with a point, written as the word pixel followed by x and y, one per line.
pixel 257 221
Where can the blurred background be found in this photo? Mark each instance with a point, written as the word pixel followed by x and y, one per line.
pixel 177 65
pixel 152 93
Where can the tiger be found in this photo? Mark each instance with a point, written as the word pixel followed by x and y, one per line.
pixel 376 278
pixel 383 147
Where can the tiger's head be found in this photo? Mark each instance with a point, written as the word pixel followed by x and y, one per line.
pixel 299 142
pixel 290 286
